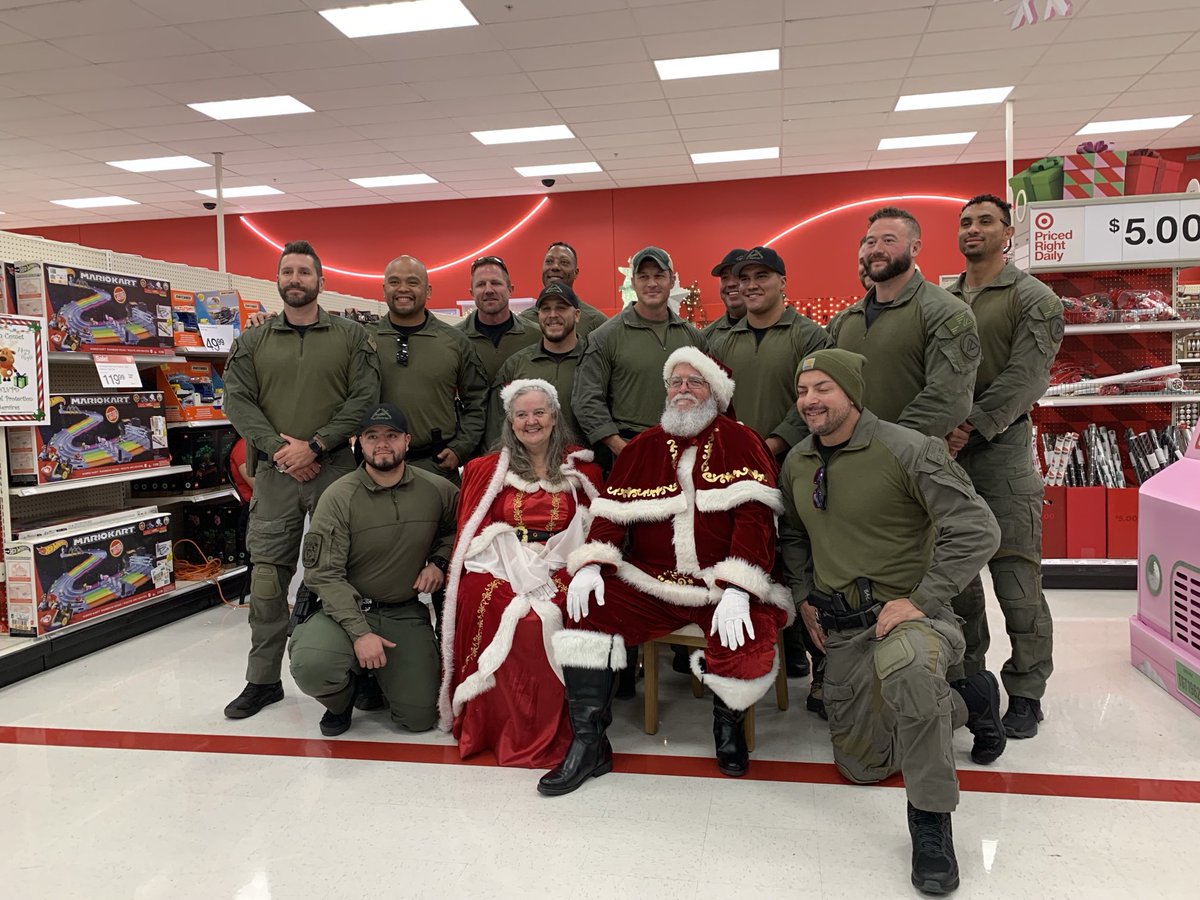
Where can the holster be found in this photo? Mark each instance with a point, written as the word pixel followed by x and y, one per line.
pixel 306 605
pixel 835 614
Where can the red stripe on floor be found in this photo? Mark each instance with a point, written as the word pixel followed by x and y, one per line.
pixel 993 782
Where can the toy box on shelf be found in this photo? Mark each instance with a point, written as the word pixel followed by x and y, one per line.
pixel 206 450
pixel 192 309
pixel 97 311
pixel 72 577
pixel 192 392
pixel 90 435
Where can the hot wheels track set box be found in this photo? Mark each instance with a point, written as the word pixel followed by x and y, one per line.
pixel 190 310
pixel 89 435
pixel 70 578
pixel 98 312
pixel 192 392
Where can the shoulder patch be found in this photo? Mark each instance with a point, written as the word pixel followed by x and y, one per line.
pixel 313 544
pixel 1051 306
pixel 1057 329
pixel 961 321
pixel 969 344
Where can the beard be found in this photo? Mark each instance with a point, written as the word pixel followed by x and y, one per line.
pixel 834 419
pixel 894 267
pixel 689 422
pixel 384 461
pixel 308 296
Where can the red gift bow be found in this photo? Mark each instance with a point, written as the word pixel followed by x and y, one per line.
pixel 1094 147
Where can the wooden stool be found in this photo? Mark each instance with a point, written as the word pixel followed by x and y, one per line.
pixel 693 637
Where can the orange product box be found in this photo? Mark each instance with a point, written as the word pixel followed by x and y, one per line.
pixel 192 392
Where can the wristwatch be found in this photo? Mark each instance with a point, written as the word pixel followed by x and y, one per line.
pixel 316 448
pixel 440 561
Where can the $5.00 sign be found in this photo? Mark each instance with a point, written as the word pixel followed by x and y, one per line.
pixel 1098 234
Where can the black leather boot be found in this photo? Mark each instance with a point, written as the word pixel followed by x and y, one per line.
pixel 729 733
pixel 981 694
pixel 934 866
pixel 589 705
pixel 1021 720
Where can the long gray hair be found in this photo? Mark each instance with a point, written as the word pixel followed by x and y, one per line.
pixel 519 462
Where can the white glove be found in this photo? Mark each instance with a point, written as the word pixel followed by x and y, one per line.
pixel 587 581
pixel 731 616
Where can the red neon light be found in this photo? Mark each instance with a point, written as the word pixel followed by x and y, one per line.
pixel 376 275
pixel 873 201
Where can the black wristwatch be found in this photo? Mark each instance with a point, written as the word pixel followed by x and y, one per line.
pixel 317 449
pixel 440 561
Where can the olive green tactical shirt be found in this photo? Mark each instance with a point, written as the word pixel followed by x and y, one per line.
pixel 318 385
pixel 711 330
pixel 1020 329
pixel 523 334
pixel 764 372
pixel 442 365
pixel 535 362
pixel 922 352
pixel 367 541
pixel 590 318
pixel 899 511
pixel 619 382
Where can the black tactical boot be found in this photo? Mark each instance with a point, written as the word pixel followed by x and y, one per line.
pixel 797 666
pixel 934 867
pixel 370 694
pixel 589 704
pixel 1021 720
pixel 333 724
pixel 981 693
pixel 816 693
pixel 729 732
pixel 252 699
pixel 679 661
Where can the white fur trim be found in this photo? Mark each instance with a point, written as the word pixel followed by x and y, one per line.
pixel 727 498
pixel 509 391
pixel 721 384
pixel 683 531
pixel 738 693
pixel 627 513
pixel 668 591
pixel 481 541
pixel 577 649
pixel 745 575
pixel 599 552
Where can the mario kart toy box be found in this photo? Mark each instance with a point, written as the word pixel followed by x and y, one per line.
pixel 89 435
pixel 98 312
pixel 68 578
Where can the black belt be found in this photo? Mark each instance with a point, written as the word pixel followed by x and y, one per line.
pixel 532 535
pixel 366 604
pixel 856 621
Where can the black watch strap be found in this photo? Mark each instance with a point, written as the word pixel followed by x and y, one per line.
pixel 316 448
pixel 441 562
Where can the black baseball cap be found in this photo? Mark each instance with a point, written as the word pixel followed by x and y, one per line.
pixel 661 258
pixel 558 289
pixel 760 256
pixel 730 258
pixel 383 414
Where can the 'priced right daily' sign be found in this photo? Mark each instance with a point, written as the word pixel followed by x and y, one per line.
pixel 1151 232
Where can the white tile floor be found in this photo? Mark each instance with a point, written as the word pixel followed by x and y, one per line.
pixel 98 823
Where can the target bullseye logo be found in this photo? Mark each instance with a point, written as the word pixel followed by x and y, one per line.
pixel 1043 221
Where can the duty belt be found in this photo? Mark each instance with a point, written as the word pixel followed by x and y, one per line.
pixel 366 604
pixel 860 620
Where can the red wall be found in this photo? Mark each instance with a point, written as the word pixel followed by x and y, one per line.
pixel 696 223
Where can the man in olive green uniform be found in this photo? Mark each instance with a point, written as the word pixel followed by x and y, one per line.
pixel 727 282
pixel 880 530
pixel 921 343
pixel 431 369
pixel 554 360
pixel 294 389
pixel 1020 329
pixel 495 333
pixel 380 537
pixel 763 349
pixel 561 264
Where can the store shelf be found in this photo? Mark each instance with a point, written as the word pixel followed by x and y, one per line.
pixel 186 496
pixel 141 359
pixel 1090 574
pixel 34 490
pixel 1133 327
pixel 203 423
pixel 201 351
pixel 1190 361
pixel 1116 399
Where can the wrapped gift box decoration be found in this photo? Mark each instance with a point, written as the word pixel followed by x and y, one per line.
pixel 1142 172
pixel 1041 181
pixel 1170 174
pixel 1099 174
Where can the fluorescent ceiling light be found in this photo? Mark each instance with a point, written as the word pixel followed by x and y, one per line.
pixel 159 164
pixel 721 64
pixel 947 99
pixel 252 107
pixel 399 18
pixel 560 169
pixel 255 190
pixel 721 156
pixel 524 135
pixel 393 180
pixel 1155 124
pixel 926 140
pixel 94 202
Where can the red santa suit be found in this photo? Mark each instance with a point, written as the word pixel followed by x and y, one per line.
pixel 683 518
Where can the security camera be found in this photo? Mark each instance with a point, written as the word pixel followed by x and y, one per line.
pixel 548 182
pixel 208 204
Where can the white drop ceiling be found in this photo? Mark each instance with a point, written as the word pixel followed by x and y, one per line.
pixel 87 81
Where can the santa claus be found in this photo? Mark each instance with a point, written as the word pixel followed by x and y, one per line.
pixel 683 533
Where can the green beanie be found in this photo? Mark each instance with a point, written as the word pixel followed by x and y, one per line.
pixel 842 366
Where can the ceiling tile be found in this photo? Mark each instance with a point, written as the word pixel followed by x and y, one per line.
pixel 262 31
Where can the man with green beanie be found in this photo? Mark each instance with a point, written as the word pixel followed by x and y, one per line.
pixel 881 529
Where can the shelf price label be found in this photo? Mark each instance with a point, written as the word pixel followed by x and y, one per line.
pixel 1153 232
pixel 217 338
pixel 117 372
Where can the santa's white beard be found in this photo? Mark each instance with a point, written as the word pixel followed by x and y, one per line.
pixel 689 422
